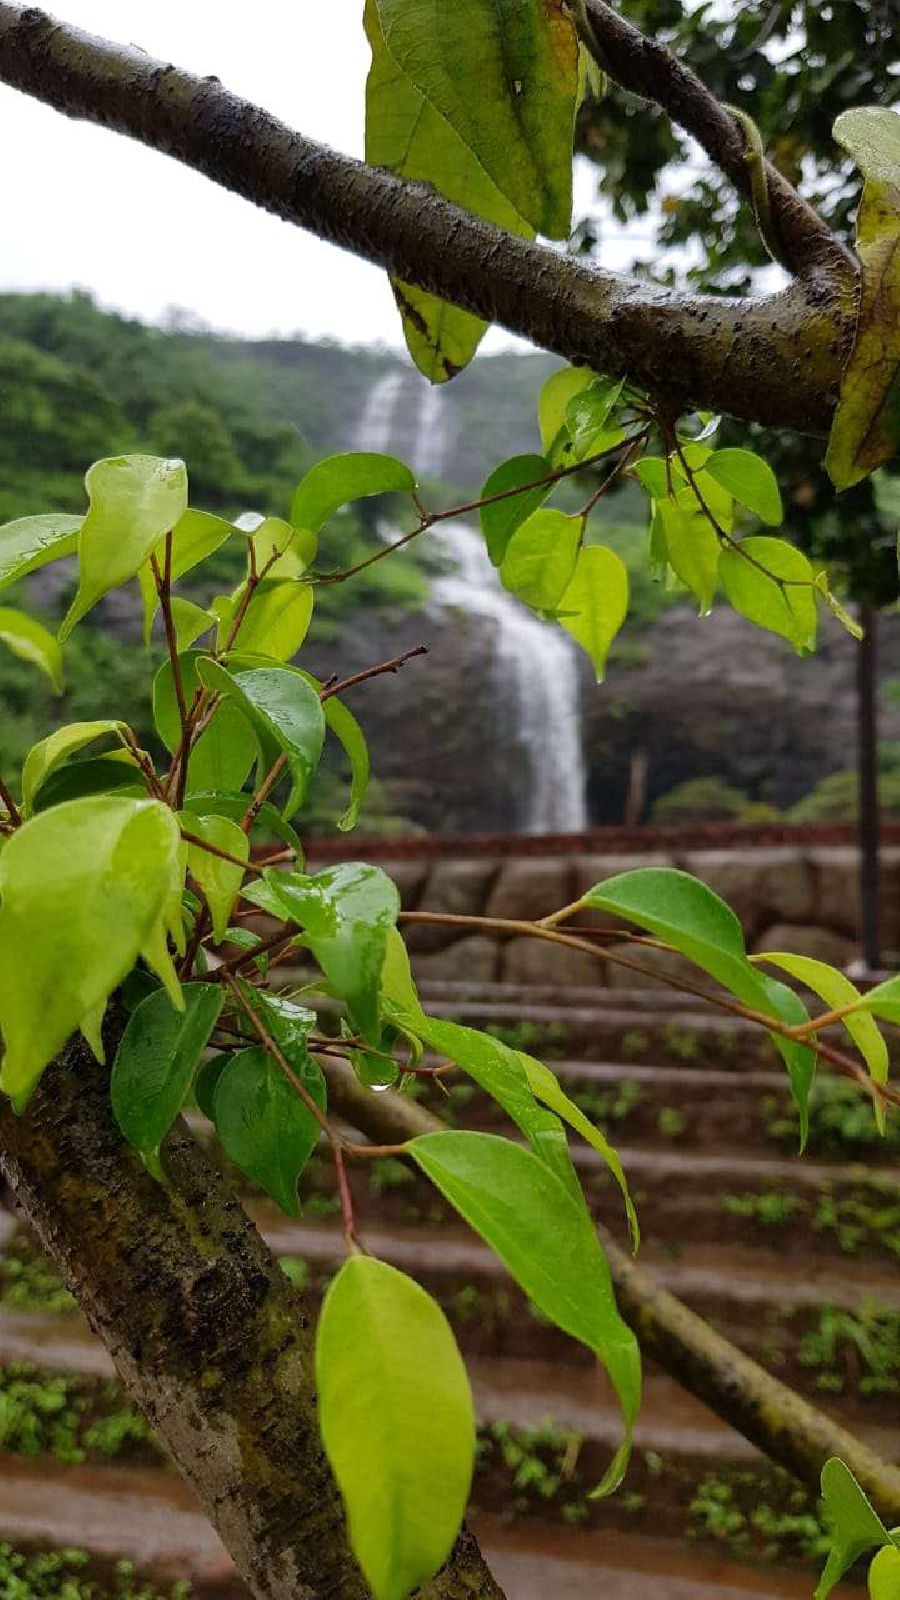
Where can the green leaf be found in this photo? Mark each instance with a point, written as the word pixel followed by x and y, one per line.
pixel 751 481
pixel 693 549
pixel 48 753
pixel 346 913
pixel 596 602
pixel 652 475
pixel 134 501
pixel 883 1001
pixel 83 889
pixel 501 1073
pixel 547 1241
pixel 772 584
pixel 98 775
pixel 349 734
pixel 191 622
pixel 505 76
pixel 692 919
pixel 405 134
pixel 233 804
pixel 587 418
pixel 156 1061
pixel 275 622
pixel 226 750
pixel 540 559
pixel 884 1575
pixel 837 991
pixel 285 713
pixel 337 480
pixel 865 431
pixel 545 1086
pixel 500 520
pixel 196 535
pixel 853 1525
pixel 207 1082
pixel 264 1126
pixel 839 612
pixel 31 641
pixel 397 1421
pixel 30 542
pixel 220 880
pixel 290 550
pixel 554 400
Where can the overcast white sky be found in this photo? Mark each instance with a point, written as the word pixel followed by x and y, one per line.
pixel 84 207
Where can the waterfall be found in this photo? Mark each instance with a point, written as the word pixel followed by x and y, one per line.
pixel 536 666
pixel 375 429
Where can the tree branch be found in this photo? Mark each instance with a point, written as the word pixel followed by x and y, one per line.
pixel 786 1427
pixel 205 1331
pixel 775 361
pixel 802 241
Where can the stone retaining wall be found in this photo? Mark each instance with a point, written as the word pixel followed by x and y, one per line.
pixel 788 898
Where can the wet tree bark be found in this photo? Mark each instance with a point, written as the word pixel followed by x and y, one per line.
pixel 205 1330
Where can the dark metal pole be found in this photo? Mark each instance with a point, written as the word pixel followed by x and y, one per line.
pixel 867 717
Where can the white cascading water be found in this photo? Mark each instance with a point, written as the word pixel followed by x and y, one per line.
pixel 535 663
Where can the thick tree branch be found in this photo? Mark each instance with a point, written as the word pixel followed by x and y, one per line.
pixel 786 1427
pixel 647 68
pixel 775 361
pixel 205 1330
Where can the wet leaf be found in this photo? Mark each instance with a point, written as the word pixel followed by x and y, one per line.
pixel 504 74
pixel 284 712
pixel 134 501
pixel 156 1061
pixel 397 1420
pixel 220 880
pixel 264 1126
pixel 30 542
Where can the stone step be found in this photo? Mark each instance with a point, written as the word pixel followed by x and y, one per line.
pixel 675 1106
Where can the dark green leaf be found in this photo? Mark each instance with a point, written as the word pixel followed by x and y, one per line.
pixel 156 1061
pixel 548 1243
pixel 285 713
pixel 227 748
pixel 265 1127
pixel 100 775
pixel 346 913
pixel 500 520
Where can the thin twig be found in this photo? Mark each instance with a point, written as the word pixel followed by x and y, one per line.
pixel 393 665
pixel 13 812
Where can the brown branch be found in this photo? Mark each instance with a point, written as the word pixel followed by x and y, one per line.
pixel 765 1411
pixel 393 665
pixel 12 810
pixel 775 360
pixel 803 242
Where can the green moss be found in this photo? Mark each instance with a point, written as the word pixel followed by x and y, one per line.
pixel 29 1283
pixel 769 1210
pixel 69 1418
pixel 69 1575
pixel 854 1348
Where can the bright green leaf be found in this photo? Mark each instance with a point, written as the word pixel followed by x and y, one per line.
pixel 837 991
pixel 285 713
pixel 865 431
pixel 233 804
pixel 134 501
pixel 500 520
pixel 751 481
pixel 554 400
pixel 505 76
pixel 275 622
pixel 548 1243
pixel 31 641
pixel 884 1000
pixel 346 913
pixel 196 535
pixel 546 1087
pixel 693 549
pixel 225 751
pixel 772 584
pixel 47 754
pixel 595 603
pixel 83 888
pixel 191 622
pixel 540 559
pixel 853 1525
pixel 405 134
pixel 220 880
pixel 156 1061
pixel 30 542
pixel 397 1421
pixel 264 1126
pixel 337 480
pixel 281 550
pixel 884 1575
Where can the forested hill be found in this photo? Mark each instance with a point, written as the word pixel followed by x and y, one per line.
pixel 78 383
